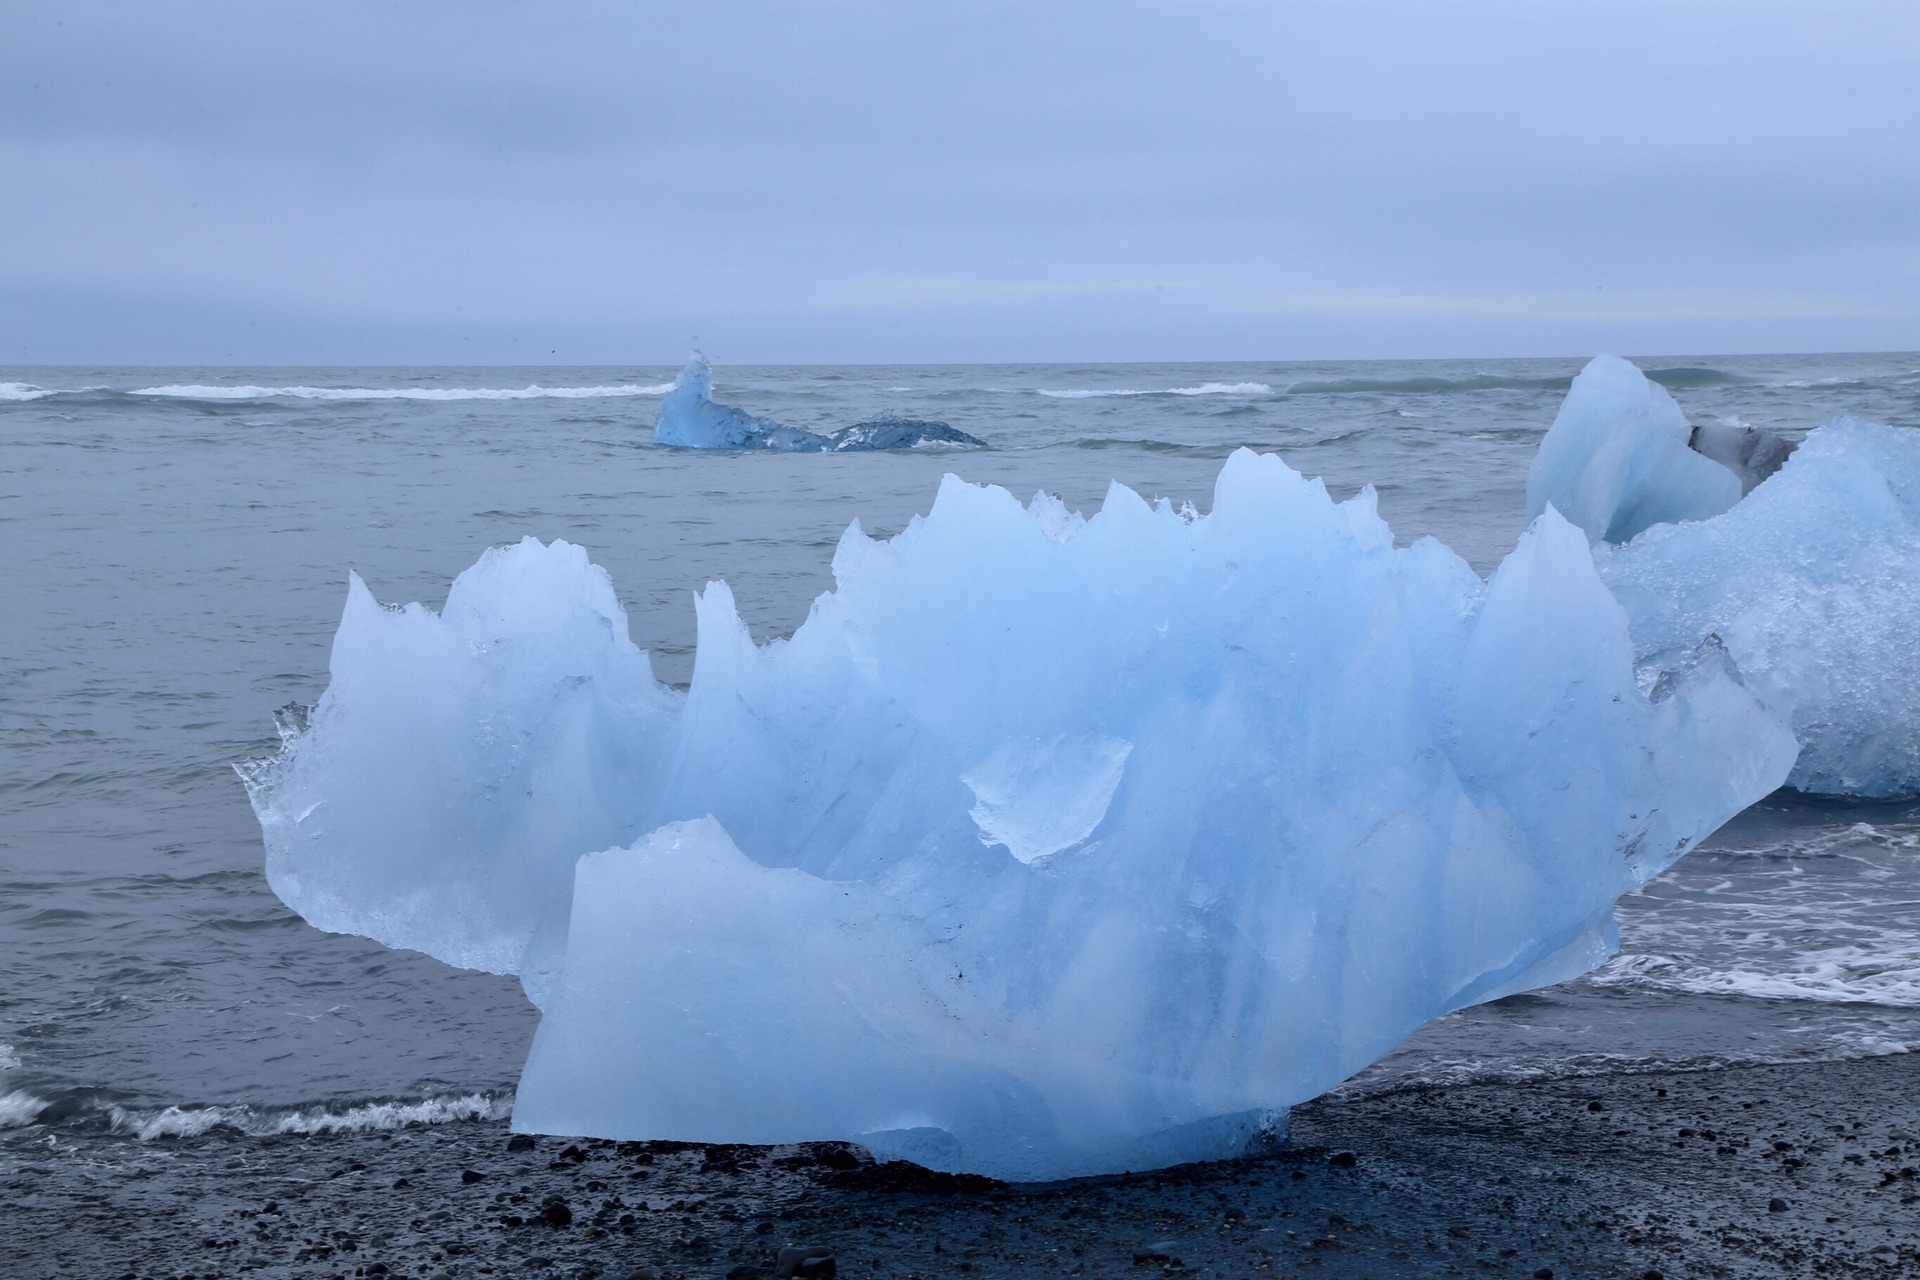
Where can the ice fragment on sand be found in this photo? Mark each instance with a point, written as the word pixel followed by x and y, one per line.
pixel 1266 794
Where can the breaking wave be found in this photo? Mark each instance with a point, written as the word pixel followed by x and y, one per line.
pixel 259 1122
pixel 1204 389
pixel 1835 975
pixel 196 392
pixel 85 1110
pixel 23 391
pixel 1424 386
pixel 1684 376
pixel 19 1108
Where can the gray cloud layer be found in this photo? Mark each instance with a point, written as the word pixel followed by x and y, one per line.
pixel 806 181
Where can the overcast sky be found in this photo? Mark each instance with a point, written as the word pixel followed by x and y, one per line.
pixel 557 182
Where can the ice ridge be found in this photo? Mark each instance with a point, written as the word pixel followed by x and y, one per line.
pixel 1046 846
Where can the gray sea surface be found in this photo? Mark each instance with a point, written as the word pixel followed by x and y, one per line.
pixel 176 547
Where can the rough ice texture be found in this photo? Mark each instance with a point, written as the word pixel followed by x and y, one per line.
pixel 1813 585
pixel 460 762
pixel 1046 846
pixel 690 419
pixel 1616 460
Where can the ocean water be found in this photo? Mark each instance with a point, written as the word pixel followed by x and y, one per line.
pixel 176 545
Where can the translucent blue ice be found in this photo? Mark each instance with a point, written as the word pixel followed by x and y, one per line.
pixel 1045 846
pixel 1813 585
pixel 690 419
pixel 1617 461
pixel 1811 581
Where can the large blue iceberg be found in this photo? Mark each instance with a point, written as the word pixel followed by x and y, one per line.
pixel 689 418
pixel 1046 846
pixel 1811 581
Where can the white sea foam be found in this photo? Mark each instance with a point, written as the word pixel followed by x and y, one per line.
pixel 20 1108
pixel 188 1122
pixel 188 391
pixel 23 391
pixel 7 1061
pixel 1827 843
pixel 1886 977
pixel 1204 389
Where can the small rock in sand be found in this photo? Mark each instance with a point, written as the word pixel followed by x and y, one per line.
pixel 811 1261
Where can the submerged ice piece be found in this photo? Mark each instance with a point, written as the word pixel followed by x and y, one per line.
pixel 1617 458
pixel 1813 584
pixel 889 431
pixel 690 419
pixel 1045 847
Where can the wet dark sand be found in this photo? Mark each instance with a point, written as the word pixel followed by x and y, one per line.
pixel 1760 1171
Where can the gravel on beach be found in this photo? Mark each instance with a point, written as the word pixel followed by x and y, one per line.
pixel 1790 1170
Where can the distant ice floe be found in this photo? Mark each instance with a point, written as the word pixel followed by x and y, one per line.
pixel 689 418
pixel 1811 580
pixel 1046 846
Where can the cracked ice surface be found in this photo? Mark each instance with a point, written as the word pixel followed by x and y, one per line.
pixel 1044 847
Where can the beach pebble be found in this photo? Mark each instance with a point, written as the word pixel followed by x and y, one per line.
pixel 812 1261
pixel 556 1212
pixel 521 1142
pixel 1543 1273
pixel 470 1176
pixel 1776 1205
pixel 1343 1159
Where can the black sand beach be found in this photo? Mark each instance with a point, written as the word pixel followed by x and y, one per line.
pixel 1755 1171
